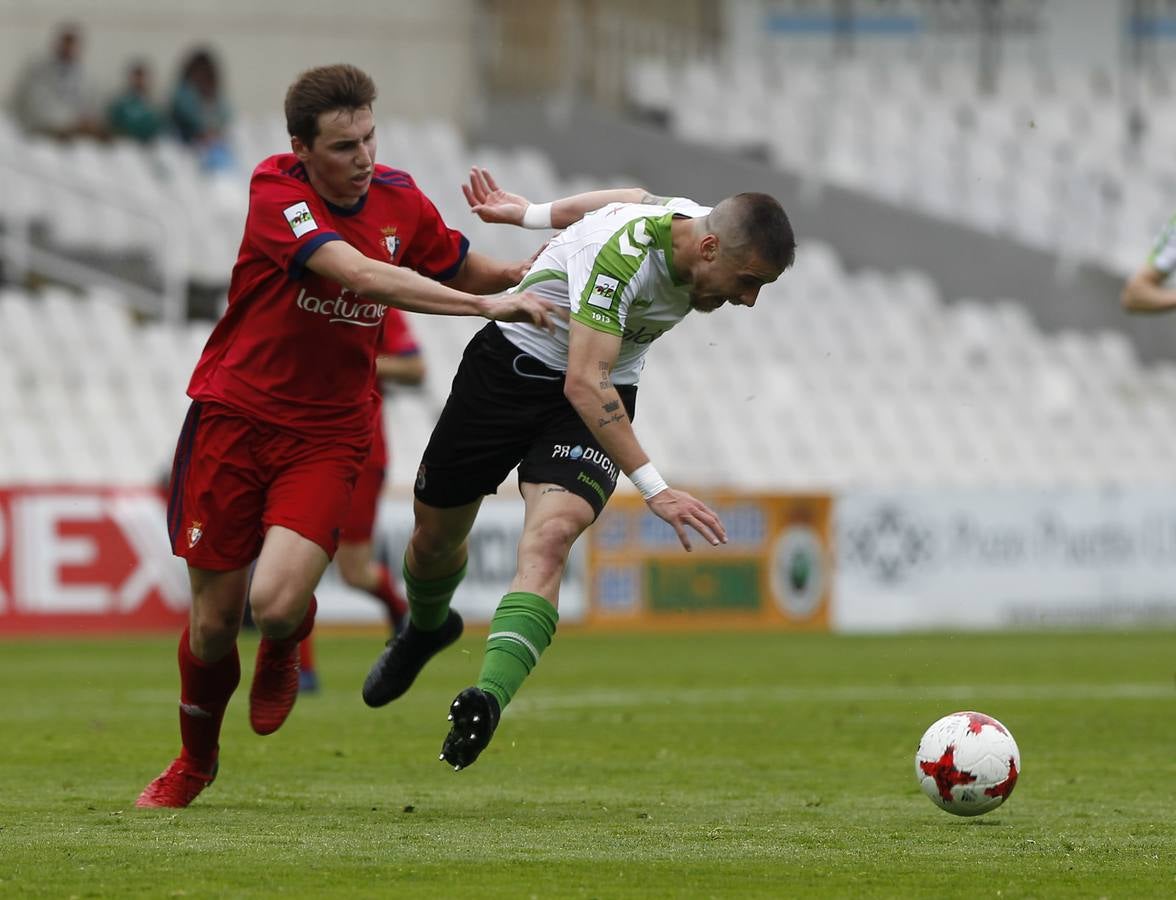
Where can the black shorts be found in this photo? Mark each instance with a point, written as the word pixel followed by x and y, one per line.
pixel 508 409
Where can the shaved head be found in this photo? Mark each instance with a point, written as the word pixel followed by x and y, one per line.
pixel 753 224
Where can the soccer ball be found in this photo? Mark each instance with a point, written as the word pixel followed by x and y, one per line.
pixel 967 763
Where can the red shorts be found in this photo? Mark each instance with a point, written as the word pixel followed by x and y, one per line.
pixel 365 501
pixel 233 477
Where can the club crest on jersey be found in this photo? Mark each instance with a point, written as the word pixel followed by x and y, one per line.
pixel 195 532
pixel 391 242
pixel 300 219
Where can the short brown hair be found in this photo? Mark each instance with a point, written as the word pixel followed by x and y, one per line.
pixel 755 223
pixel 321 90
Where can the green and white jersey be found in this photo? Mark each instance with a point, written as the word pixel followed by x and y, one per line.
pixel 1163 255
pixel 612 272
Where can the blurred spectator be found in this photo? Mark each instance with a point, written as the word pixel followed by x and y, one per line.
pixel 1145 291
pixel 132 113
pixel 52 96
pixel 200 112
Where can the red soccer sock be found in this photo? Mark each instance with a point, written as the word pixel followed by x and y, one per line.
pixel 306 654
pixel 205 689
pixel 385 591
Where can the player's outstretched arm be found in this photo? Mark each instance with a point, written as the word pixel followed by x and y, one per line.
pixel 492 204
pixel 481 274
pixel 405 289
pixel 1145 292
pixel 589 388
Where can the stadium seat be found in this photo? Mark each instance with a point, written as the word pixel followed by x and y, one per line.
pixel 901 132
pixel 837 378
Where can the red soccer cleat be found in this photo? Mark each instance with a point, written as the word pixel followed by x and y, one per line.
pixel 275 685
pixel 178 785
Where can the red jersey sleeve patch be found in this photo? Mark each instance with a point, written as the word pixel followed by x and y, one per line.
pixel 287 220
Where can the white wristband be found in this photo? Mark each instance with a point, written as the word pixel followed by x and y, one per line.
pixel 537 215
pixel 646 479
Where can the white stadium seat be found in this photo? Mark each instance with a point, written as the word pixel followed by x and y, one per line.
pixel 837 378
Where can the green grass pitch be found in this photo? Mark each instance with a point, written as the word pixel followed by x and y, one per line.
pixel 733 765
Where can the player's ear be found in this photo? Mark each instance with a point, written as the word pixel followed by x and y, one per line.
pixel 300 149
pixel 708 247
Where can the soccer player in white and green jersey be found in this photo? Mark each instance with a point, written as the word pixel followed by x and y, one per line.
pixel 560 407
pixel 1144 291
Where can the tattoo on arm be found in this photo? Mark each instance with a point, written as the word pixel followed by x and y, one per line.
pixel 654 200
pixel 615 417
pixel 554 489
pixel 612 405
pixel 605 380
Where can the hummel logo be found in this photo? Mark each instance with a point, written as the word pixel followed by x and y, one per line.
pixel 196 712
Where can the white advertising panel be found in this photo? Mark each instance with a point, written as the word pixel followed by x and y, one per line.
pixel 1004 558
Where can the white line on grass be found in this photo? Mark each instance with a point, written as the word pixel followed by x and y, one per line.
pixel 562 700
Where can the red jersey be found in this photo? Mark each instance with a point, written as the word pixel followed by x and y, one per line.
pixel 297 350
pixel 397 340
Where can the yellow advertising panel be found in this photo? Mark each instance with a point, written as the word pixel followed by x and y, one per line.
pixel 773 572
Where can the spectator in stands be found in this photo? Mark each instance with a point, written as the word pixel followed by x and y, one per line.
pixel 133 113
pixel 53 96
pixel 399 362
pixel 1144 291
pixel 281 420
pixel 559 407
pixel 200 113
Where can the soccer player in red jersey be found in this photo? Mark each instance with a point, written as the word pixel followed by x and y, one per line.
pixel 281 419
pixel 399 362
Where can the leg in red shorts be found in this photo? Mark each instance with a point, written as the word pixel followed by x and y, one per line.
pixel 244 491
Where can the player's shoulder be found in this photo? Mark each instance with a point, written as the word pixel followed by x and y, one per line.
pixel 684 206
pixel 279 176
pixel 281 166
pixel 654 208
pixel 388 178
pixel 606 225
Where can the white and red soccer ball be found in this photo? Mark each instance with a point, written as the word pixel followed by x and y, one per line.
pixel 967 763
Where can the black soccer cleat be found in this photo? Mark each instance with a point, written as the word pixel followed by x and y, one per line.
pixel 474 714
pixel 404 657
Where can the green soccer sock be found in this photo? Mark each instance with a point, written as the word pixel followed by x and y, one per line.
pixel 429 598
pixel 522 628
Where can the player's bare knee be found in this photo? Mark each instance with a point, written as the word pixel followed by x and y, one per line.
pixel 432 546
pixel 352 574
pixel 278 621
pixel 553 538
pixel 213 631
pixel 278 613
